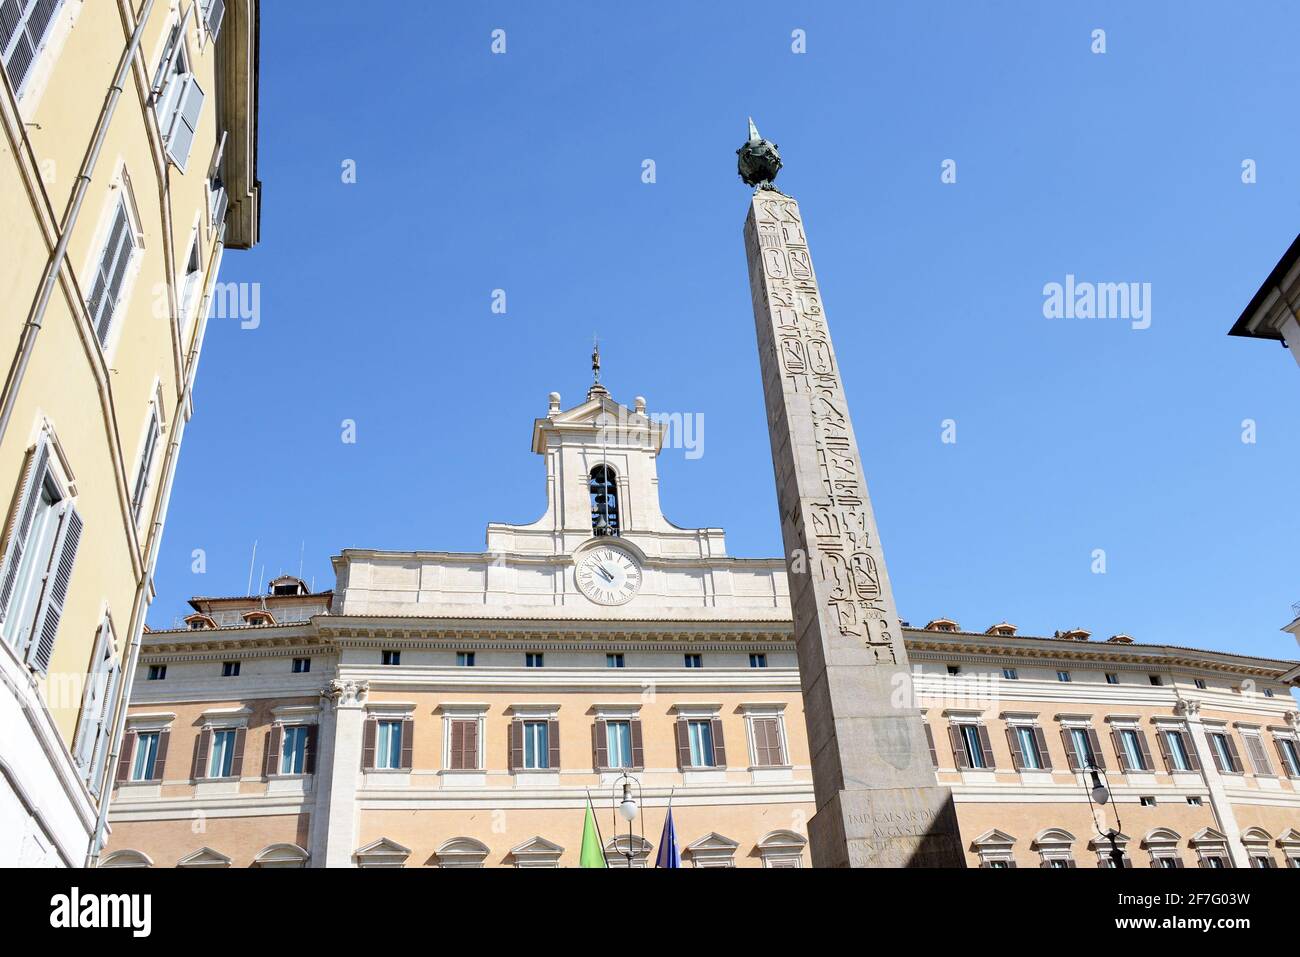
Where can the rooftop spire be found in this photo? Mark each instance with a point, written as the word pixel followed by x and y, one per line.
pixel 596 388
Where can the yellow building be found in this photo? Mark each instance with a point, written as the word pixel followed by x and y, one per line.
pixel 127 166
pixel 455 709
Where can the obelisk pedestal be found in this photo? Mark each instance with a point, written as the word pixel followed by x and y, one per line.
pixel 878 802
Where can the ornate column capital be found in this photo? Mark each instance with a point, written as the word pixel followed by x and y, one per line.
pixel 1293 718
pixel 1188 708
pixel 345 693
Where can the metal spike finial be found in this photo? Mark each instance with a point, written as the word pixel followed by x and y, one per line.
pixel 753 131
pixel 758 160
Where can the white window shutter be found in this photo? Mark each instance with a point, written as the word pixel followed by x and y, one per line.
pixel 93 702
pixel 146 466
pixel 110 273
pixel 57 580
pixel 216 9
pixel 20 523
pixel 185 122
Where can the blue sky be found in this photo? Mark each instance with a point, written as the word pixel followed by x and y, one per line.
pixel 522 172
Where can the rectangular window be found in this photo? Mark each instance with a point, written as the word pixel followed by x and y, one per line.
pixel 465 659
pixel 110 273
pixel 1011 674
pixel 222 758
pixel 1290 756
pixel 391 657
pixel 178 99
pixel 1194 800
pixel 157 672
pixel 1083 747
pixel 23 28
pixel 95 722
pixel 534 659
pixel 1223 753
pixel 1258 756
pixel 301 666
pixel 1200 683
pixel 1178 756
pixel 970 739
pixel 230 669
pixel 537 745
pixel 618 738
pixel 1030 759
pixel 146 756
pixel 1268 692
pixel 614 660
pixel 694 661
pixel 211 12
pixel 293 749
pixel 144 470
pixel 1132 750
pixel 388 745
pixel 1155 680
pixel 464 744
pixel 758 661
pixel 699 734
pixel 954 669
pixel 1112 678
pixel 768 750
pixel 1147 801
pixel 1062 676
pixel 1262 861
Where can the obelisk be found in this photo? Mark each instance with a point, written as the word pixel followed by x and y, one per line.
pixel 878 802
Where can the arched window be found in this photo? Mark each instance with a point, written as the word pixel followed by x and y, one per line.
pixel 604 501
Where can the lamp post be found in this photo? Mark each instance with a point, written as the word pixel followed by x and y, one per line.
pixel 627 806
pixel 1100 793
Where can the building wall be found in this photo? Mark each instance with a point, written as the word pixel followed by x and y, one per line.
pixel 94 401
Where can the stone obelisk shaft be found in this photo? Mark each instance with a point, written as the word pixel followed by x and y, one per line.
pixel 878 804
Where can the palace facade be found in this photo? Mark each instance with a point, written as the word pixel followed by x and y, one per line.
pixel 128 164
pixel 453 709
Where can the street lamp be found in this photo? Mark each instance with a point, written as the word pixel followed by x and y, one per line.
pixel 626 805
pixel 1100 793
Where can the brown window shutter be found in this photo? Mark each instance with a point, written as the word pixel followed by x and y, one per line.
pixel 124 757
pixel 1120 753
pixel 767 741
pixel 516 744
pixel 719 745
pixel 683 745
pixel 1044 756
pixel 929 739
pixel 1164 750
pixel 958 746
pixel 1071 755
pixel 638 748
pixel 160 766
pixel 1277 743
pixel 470 758
pixel 201 748
pixel 987 747
pixel 1144 749
pixel 408 742
pixel 309 759
pixel 368 744
pixel 457 754
pixel 1237 767
pixel 1190 747
pixel 237 765
pixel 600 746
pixel 1017 756
pixel 553 740
pixel 1097 756
pixel 271 760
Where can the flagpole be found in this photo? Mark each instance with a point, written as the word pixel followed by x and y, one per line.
pixel 596 819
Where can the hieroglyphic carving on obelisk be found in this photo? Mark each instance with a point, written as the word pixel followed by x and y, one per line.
pixel 878 803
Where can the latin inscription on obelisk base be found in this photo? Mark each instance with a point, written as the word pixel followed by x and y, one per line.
pixel 878 803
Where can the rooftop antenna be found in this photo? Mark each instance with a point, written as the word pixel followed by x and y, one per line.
pixel 302 550
pixel 250 569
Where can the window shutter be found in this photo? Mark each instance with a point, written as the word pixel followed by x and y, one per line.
pixel 1237 767
pixel 237 765
pixel 1071 755
pixel 600 745
pixel 57 579
pixel 145 466
pixel 368 745
pixel 1118 741
pixel 1097 756
pixel 1189 746
pixel 1044 756
pixel 1282 756
pixel 929 739
pixel 161 78
pixel 638 748
pixel 1017 756
pixel 309 759
pixel 986 746
pixel 1258 756
pixel 201 748
pixel 30 35
pixel 516 744
pixel 185 121
pixel 1145 750
pixel 457 746
pixel 408 742
pixel 1164 750
pixel 470 761
pixel 124 758
pixel 959 754
pixel 719 745
pixel 89 720
pixel 683 745
pixel 553 741
pixel 106 715
pixel 212 16
pixel 160 765
pixel 20 522
pixel 271 760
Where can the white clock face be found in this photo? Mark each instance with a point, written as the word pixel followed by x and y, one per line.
pixel 608 576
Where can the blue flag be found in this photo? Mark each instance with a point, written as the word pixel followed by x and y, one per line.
pixel 668 854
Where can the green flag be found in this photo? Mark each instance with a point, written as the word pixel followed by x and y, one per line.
pixel 592 854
